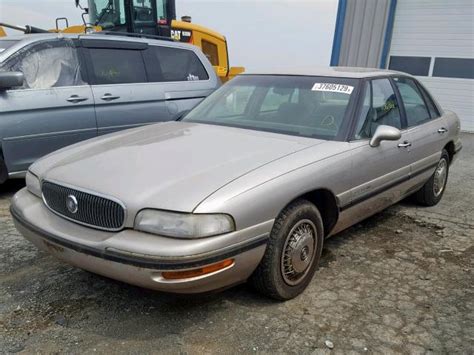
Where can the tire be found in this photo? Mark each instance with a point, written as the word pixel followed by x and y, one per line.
pixel 432 191
pixel 293 252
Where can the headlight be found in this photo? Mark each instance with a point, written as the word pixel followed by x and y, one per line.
pixel 33 184
pixel 183 225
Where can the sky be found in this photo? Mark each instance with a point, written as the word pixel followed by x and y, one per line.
pixel 260 33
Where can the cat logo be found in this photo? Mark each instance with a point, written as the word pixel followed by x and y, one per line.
pixel 176 35
pixel 181 35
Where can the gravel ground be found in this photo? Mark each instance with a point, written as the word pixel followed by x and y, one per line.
pixel 400 282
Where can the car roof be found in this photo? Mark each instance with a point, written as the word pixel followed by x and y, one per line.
pixel 115 36
pixel 27 39
pixel 342 72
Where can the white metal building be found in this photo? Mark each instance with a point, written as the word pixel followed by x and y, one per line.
pixel 439 35
pixel 431 39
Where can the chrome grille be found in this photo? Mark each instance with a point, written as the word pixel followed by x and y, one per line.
pixel 92 210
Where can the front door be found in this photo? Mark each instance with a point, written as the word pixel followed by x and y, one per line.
pixel 378 173
pixel 53 109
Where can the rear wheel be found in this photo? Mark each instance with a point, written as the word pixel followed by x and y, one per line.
pixel 432 191
pixel 293 252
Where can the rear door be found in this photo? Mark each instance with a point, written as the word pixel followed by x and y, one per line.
pixel 184 76
pixel 425 126
pixel 53 109
pixel 123 96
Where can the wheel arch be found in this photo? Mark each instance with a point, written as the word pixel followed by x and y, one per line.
pixel 451 149
pixel 326 202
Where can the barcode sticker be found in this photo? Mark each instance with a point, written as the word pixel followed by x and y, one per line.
pixel 328 87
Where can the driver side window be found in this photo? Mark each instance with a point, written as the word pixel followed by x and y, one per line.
pixel 380 107
pixel 48 65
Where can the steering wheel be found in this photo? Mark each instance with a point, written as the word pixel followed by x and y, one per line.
pixel 329 122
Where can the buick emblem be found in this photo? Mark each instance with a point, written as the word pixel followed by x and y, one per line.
pixel 71 204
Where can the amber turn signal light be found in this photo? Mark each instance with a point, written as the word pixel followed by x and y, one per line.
pixel 187 274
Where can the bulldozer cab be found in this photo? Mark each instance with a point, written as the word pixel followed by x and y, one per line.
pixel 152 17
pixel 158 17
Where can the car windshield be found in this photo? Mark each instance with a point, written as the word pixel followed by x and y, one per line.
pixel 306 106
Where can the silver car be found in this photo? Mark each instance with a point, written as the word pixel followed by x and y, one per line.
pixel 247 186
pixel 60 89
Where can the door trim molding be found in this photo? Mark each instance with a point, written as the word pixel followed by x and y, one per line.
pixel 382 189
pixel 50 134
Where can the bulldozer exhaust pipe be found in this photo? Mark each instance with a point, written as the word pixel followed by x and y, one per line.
pixel 25 29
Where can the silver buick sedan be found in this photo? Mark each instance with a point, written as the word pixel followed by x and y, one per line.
pixel 246 186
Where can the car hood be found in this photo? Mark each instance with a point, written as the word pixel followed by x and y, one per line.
pixel 172 165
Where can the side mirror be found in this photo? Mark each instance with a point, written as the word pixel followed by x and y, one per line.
pixel 385 133
pixel 11 79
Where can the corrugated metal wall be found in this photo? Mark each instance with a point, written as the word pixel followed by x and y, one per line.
pixel 364 33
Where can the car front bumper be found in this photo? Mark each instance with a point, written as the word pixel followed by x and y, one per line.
pixel 140 258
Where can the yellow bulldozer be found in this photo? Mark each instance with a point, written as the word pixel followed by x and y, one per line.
pixel 147 18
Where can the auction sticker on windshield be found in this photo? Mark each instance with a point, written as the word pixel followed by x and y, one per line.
pixel 328 87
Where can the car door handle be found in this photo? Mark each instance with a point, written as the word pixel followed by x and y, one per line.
pixel 404 144
pixel 75 99
pixel 442 130
pixel 109 97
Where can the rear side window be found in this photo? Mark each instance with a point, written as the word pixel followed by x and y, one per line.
pixel 429 101
pixel 415 107
pixel 176 64
pixel 117 66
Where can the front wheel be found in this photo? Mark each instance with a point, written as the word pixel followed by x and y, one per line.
pixel 292 253
pixel 432 191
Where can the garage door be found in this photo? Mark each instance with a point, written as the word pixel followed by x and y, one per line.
pixel 434 40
